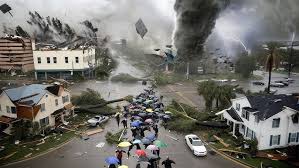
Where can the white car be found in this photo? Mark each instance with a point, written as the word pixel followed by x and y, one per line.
pixel 196 145
pixel 97 120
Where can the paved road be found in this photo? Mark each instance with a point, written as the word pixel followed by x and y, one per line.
pixel 79 154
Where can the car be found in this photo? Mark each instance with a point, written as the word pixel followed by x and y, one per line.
pixel 258 83
pixel 280 85
pixel 196 145
pixel 283 82
pixel 97 120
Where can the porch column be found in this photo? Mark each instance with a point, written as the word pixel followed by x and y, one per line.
pixel 234 128
pixel 46 76
pixel 35 74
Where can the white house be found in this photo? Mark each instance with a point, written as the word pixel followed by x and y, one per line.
pixel 45 104
pixel 271 119
pixel 63 63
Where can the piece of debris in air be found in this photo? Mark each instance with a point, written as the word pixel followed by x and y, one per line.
pixel 5 8
pixel 141 28
pixel 100 145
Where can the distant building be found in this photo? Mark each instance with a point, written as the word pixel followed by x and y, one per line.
pixel 63 63
pixel 271 119
pixel 45 104
pixel 16 54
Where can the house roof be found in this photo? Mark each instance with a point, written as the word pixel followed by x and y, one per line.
pixel 28 94
pixel 232 112
pixel 269 105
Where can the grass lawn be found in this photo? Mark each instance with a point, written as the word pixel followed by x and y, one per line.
pixel 25 149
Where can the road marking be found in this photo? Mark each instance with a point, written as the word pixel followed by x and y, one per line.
pixel 182 96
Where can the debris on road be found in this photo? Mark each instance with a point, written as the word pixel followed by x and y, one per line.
pixel 100 145
pixel 94 131
pixel 176 139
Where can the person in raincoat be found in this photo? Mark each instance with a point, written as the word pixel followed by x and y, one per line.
pixel 119 155
pixel 117 117
pixel 156 129
pixel 167 163
pixel 125 123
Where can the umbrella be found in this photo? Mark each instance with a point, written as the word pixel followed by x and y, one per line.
pixel 152 147
pixel 149 120
pixel 143 159
pixel 137 141
pixel 111 160
pixel 151 156
pixel 149 110
pixel 140 153
pixel 168 112
pixel 145 141
pixel 151 137
pixel 124 144
pixel 160 144
pixel 123 166
pixel 166 116
pixel 142 114
pixel 137 117
pixel 136 123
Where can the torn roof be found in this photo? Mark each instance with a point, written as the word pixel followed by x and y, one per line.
pixel 28 95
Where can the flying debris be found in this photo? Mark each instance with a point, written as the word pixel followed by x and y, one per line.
pixel 141 28
pixel 5 8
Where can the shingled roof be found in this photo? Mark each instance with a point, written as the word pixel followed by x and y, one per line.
pixel 269 105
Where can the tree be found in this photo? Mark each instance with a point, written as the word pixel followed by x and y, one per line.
pixel 21 129
pixel 245 65
pixel 223 94
pixel 272 58
pixel 207 90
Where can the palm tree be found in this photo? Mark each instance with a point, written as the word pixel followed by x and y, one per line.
pixel 207 90
pixel 272 59
pixel 223 94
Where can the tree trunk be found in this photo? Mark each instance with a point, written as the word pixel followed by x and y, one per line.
pixel 87 108
pixel 270 65
pixel 188 70
pixel 217 103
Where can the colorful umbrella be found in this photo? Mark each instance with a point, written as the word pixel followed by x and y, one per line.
pixel 151 137
pixel 152 147
pixel 136 123
pixel 142 114
pixel 149 120
pixel 146 141
pixel 111 160
pixel 140 153
pixel 124 144
pixel 123 166
pixel 137 141
pixel 160 144
pixel 149 110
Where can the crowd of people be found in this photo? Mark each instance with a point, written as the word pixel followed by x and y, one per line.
pixel 143 116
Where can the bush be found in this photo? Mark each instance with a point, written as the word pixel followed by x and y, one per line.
pixel 113 138
pixel 123 77
pixel 88 97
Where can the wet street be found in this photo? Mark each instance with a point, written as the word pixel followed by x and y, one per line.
pixel 84 153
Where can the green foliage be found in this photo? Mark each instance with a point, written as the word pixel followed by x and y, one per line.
pixel 181 125
pixel 113 138
pixel 207 90
pixel 245 65
pixel 124 77
pixel 21 129
pixel 35 128
pixel 252 146
pixel 88 97
pixel 106 63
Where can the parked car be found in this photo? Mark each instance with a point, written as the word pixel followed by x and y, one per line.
pixel 283 82
pixel 280 85
pixel 97 120
pixel 196 145
pixel 258 83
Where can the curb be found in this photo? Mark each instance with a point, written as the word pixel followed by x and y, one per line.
pixel 40 154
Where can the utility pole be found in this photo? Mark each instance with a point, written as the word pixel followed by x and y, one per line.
pixel 290 59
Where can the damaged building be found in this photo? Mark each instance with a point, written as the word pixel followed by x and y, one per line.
pixel 16 54
pixel 64 63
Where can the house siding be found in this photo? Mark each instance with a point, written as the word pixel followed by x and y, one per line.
pixel 5 101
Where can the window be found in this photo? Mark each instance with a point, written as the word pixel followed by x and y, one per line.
pixel 238 107
pixel 48 60
pixel 56 102
pixel 39 60
pixel 256 118
pixel 245 114
pixel 13 110
pixel 65 99
pixel 292 137
pixel 44 121
pixel 66 59
pixel 250 134
pixel 43 107
pixel 54 60
pixel 77 59
pixel 274 140
pixel 275 123
pixel 243 129
pixel 8 109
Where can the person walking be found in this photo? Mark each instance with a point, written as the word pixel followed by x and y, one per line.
pixel 117 117
pixel 119 155
pixel 112 166
pixel 156 129
pixel 167 163
pixel 125 123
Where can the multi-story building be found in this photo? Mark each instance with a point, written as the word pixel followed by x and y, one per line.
pixel 63 63
pixel 45 104
pixel 272 119
pixel 16 54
